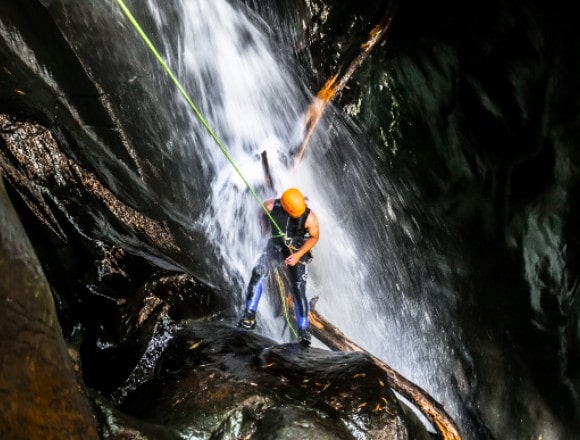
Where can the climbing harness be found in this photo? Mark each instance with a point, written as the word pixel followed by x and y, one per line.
pixel 185 95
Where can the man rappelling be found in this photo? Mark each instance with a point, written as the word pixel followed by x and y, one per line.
pixel 299 227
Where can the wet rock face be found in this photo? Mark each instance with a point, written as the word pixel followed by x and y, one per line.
pixel 218 378
pixel 41 389
pixel 492 126
pixel 109 298
pixel 34 162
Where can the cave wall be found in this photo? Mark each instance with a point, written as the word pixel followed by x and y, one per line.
pixel 484 153
pixel 490 122
pixel 42 393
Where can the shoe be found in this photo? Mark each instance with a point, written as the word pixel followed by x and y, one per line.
pixel 248 321
pixel 304 337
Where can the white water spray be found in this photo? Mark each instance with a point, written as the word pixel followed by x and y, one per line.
pixel 254 103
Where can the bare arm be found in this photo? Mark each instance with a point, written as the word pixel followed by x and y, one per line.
pixel 311 226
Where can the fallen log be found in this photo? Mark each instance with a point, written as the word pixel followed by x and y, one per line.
pixel 337 82
pixel 334 339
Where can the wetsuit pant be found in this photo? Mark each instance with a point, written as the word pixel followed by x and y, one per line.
pixel 272 256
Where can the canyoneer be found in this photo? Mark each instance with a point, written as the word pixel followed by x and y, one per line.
pixel 300 227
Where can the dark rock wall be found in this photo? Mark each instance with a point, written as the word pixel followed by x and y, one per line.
pixel 491 113
pixel 41 390
pixel 483 153
pixel 488 131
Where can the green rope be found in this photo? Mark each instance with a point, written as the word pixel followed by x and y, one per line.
pixel 153 50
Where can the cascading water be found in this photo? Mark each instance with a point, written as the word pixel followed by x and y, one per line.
pixel 254 101
pixel 462 237
pixel 253 98
pixel 256 105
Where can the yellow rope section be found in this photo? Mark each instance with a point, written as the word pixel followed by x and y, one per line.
pixel 282 292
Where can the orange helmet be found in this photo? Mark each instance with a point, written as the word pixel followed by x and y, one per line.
pixel 293 202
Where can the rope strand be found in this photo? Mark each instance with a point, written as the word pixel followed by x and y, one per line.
pixel 185 95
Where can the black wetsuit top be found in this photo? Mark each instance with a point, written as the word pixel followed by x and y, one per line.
pixel 294 228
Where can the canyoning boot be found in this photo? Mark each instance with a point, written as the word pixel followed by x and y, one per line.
pixel 304 337
pixel 248 321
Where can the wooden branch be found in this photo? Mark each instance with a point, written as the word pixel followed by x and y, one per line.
pixel 330 335
pixel 336 83
pixel 266 169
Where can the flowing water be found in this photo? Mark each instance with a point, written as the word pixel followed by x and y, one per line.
pixel 253 97
pixel 254 101
pixel 251 93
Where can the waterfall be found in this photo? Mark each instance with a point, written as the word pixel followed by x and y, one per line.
pixel 246 85
pixel 254 99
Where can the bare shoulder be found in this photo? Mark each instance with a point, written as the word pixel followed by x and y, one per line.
pixel 311 220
